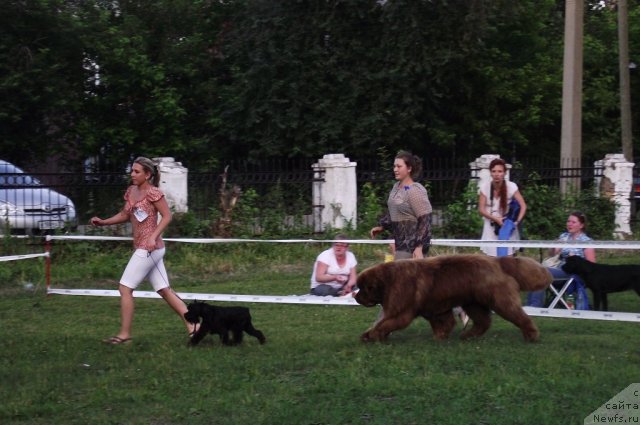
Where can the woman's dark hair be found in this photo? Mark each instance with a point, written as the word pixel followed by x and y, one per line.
pixel 151 167
pixel 502 190
pixel 414 162
pixel 580 216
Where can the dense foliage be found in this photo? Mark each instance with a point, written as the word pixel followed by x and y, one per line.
pixel 206 81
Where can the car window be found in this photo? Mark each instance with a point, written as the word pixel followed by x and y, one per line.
pixel 10 175
pixel 18 180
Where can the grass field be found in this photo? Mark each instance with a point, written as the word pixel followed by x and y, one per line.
pixel 312 370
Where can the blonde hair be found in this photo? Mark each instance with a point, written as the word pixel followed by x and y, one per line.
pixel 151 167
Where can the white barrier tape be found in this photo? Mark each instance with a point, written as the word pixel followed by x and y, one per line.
pixel 88 238
pixel 220 240
pixel 539 244
pixel 23 256
pixel 437 242
pixel 346 300
pixel 583 314
pixel 274 299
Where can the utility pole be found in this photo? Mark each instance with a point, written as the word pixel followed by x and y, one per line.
pixel 625 84
pixel 571 135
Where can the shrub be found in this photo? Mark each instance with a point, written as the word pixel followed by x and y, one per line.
pixel 546 213
pixel 370 209
pixel 461 217
pixel 187 225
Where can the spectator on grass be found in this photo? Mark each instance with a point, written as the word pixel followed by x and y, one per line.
pixel 334 271
pixel 143 202
pixel 576 226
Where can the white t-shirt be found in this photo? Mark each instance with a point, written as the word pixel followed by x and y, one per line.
pixel 328 257
pixel 493 208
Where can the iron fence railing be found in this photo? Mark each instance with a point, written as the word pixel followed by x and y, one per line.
pixel 101 193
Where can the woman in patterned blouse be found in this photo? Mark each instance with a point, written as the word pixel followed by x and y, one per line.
pixel 409 210
pixel 409 214
pixel 143 202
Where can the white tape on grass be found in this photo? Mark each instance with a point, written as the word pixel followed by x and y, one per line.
pixel 310 299
pixel 582 314
pixel 275 299
pixel 346 300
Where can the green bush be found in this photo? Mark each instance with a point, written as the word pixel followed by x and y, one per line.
pixel 600 213
pixel 461 217
pixel 280 214
pixel 187 225
pixel 272 215
pixel 546 213
pixel 370 208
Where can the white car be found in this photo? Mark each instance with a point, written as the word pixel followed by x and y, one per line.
pixel 26 206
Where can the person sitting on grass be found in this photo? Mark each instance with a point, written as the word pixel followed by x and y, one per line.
pixel 334 271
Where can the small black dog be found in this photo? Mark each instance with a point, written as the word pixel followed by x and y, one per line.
pixel 221 321
pixel 604 279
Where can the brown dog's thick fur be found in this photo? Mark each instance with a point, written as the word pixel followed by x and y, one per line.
pixel 431 287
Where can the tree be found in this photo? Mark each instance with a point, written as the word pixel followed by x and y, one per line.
pixel 41 79
pixel 208 81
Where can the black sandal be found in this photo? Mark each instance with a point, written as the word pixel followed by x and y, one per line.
pixel 116 340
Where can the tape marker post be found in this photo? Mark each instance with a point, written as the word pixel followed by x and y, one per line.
pixel 347 300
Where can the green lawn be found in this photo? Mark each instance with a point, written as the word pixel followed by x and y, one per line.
pixel 312 370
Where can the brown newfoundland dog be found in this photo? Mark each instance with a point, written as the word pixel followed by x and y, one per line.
pixel 431 287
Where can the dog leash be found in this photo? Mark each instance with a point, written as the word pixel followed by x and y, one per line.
pixel 196 326
pixel 161 274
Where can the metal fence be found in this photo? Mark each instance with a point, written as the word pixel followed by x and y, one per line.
pixel 286 182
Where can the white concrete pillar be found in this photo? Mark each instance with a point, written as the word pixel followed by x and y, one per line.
pixel 173 182
pixel 480 168
pixel 616 184
pixel 335 197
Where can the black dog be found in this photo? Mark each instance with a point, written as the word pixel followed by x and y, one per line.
pixel 221 321
pixel 604 279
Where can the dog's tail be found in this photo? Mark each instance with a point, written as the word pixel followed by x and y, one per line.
pixel 530 275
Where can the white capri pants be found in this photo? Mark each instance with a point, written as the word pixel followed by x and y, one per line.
pixel 144 265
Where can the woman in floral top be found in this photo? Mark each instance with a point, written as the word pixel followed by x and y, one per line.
pixel 143 202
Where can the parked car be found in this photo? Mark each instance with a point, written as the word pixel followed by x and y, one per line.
pixel 27 206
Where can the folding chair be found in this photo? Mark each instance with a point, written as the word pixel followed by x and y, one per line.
pixel 559 293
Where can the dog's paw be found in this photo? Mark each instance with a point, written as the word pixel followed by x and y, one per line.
pixel 368 337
